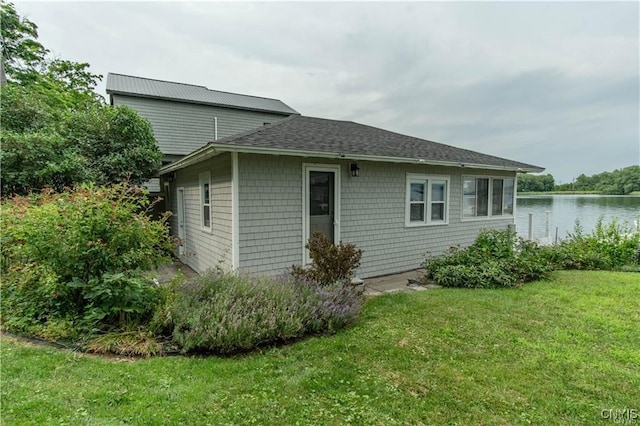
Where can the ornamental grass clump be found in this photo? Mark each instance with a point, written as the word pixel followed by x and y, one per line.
pixel 225 313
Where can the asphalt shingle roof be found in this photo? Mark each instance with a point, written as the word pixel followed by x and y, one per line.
pixel 346 138
pixel 149 88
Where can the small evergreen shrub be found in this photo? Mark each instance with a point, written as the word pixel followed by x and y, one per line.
pixel 225 313
pixel 331 263
pixel 77 258
pixel 495 259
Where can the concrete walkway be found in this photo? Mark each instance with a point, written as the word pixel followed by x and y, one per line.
pixel 167 272
pixel 406 281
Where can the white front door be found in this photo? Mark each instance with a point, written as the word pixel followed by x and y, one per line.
pixel 321 202
pixel 182 234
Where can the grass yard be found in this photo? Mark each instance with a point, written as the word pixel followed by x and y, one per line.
pixel 555 352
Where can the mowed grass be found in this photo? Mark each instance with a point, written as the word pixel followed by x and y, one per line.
pixel 553 352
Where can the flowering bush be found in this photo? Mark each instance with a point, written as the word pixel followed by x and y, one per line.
pixel 229 313
pixel 609 246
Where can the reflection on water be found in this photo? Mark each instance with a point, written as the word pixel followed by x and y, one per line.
pixel 566 209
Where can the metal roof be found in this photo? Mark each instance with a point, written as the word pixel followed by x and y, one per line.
pixel 120 84
pixel 308 136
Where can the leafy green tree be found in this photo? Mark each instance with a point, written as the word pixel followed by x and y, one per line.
pixel 56 131
pixel 44 146
pixel 535 183
pixel 24 110
pixel 23 57
pixel 117 143
pixel 37 160
pixel 70 84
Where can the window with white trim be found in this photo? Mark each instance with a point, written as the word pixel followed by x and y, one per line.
pixel 205 200
pixel 427 200
pixel 485 197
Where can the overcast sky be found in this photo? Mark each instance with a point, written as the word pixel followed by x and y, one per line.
pixel 550 84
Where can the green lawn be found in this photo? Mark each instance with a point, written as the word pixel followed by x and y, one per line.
pixel 555 352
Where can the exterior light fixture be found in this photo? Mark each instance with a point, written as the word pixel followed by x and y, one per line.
pixel 354 169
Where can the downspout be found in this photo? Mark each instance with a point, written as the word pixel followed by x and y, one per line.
pixel 215 128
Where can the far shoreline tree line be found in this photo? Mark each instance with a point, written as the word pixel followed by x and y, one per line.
pixel 618 182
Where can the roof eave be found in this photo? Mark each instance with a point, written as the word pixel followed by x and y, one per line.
pixel 112 92
pixel 213 149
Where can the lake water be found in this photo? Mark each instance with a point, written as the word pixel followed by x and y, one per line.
pixel 565 209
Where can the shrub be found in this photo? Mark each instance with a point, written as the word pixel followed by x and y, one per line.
pixel 609 246
pixel 230 313
pixel 495 259
pixel 331 263
pixel 79 256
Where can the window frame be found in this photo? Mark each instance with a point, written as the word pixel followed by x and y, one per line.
pixel 204 178
pixel 427 181
pixel 490 204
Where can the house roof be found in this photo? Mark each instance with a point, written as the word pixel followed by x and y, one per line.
pixel 120 84
pixel 318 137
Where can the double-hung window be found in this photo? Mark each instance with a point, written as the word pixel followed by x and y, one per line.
pixel 485 197
pixel 427 200
pixel 205 201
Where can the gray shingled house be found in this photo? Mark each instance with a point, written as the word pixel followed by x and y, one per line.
pixel 249 201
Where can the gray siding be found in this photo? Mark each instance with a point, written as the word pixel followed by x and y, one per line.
pixel 204 249
pixel 270 213
pixel 181 128
pixel 372 215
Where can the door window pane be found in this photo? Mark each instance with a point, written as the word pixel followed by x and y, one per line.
pixel 320 193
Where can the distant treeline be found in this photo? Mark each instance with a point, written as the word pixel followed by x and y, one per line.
pixel 619 182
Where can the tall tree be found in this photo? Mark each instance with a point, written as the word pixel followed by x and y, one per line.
pixel 23 57
pixel 56 131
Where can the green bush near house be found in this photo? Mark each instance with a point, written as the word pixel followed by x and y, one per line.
pixel 72 262
pixel 224 313
pixel 501 259
pixel 610 246
pixel 330 263
pixel 495 259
